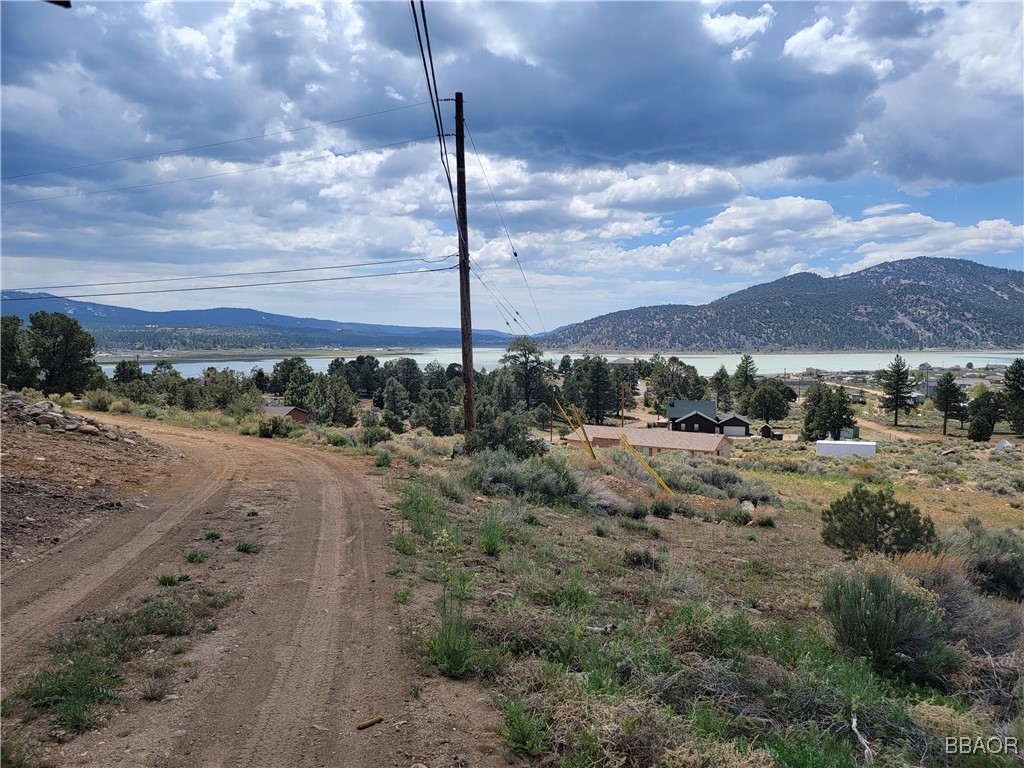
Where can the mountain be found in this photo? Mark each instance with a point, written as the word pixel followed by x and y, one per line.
pixel 227 327
pixel 910 304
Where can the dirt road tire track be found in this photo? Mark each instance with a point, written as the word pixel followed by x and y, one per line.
pixel 100 569
pixel 313 648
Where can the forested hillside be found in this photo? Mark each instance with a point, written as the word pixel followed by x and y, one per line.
pixel 916 303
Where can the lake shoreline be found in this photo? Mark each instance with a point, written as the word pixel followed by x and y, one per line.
pixel 219 355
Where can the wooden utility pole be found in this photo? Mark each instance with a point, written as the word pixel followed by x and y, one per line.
pixel 469 399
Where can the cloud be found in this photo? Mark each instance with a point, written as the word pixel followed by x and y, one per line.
pixel 829 53
pixel 654 140
pixel 733 27
pixel 874 210
pixel 801 267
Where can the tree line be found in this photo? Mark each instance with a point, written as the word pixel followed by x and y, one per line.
pixel 54 355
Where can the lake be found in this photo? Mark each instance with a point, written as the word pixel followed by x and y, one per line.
pixel 706 364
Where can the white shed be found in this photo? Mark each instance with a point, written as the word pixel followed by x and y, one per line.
pixel 846 448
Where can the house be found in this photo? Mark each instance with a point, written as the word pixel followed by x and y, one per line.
pixel 734 425
pixel 293 412
pixel 677 408
pixel 766 431
pixel 857 397
pixel 702 416
pixel 651 441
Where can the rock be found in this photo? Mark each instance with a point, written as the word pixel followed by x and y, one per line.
pixel 49 419
pixel 748 506
pixel 89 429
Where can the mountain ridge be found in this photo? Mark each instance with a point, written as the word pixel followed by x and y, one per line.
pixel 918 303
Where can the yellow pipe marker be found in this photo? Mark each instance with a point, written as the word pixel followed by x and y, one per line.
pixel 584 431
pixel 646 466
pixel 568 420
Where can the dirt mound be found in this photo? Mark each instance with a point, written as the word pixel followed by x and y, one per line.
pixel 63 472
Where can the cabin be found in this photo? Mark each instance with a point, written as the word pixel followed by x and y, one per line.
pixel 292 412
pixel 653 441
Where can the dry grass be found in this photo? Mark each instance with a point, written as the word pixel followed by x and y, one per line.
pixel 594 640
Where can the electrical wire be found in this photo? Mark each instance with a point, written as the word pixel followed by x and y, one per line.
pixel 236 274
pixel 435 102
pixel 216 175
pixel 501 218
pixel 240 285
pixel 214 144
pixel 504 302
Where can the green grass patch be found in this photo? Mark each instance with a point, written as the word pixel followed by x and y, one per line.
pixel 524 732
pixel 248 547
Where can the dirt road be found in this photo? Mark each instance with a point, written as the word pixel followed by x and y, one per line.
pixel 313 648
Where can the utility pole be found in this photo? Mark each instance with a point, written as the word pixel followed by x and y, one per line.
pixel 469 399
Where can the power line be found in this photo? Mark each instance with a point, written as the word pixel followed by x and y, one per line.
pixel 236 274
pixel 507 235
pixel 216 175
pixel 517 318
pixel 214 144
pixel 239 285
pixel 435 100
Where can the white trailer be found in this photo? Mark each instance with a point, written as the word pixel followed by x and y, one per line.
pixel 846 448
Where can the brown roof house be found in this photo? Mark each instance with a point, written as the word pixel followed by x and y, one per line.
pixel 300 415
pixel 651 441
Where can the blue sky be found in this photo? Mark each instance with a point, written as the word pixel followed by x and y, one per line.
pixel 639 153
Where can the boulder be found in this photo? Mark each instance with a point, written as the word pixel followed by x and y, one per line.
pixel 89 429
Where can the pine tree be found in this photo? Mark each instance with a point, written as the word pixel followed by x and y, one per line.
pixel 948 397
pixel 897 387
pixel 721 385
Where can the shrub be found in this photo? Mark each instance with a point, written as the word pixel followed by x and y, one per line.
pixel 383 459
pixel 248 547
pixel 873 521
pixel 640 559
pixel 980 429
pixel 996 557
pixel 394 422
pixel 543 478
pixel 661 508
pixel 337 440
pixel 736 516
pixel 639 511
pixel 64 401
pixel 97 399
pixel 878 613
pixel 121 406
pixel 370 436
pixel 982 628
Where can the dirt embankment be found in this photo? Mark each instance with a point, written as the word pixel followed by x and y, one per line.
pixel 313 648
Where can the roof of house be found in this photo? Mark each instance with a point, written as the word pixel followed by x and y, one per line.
pixel 733 417
pixel 622 361
pixel 657 438
pixel 281 410
pixel 707 407
pixel 702 415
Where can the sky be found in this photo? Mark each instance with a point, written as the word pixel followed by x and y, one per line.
pixel 619 154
